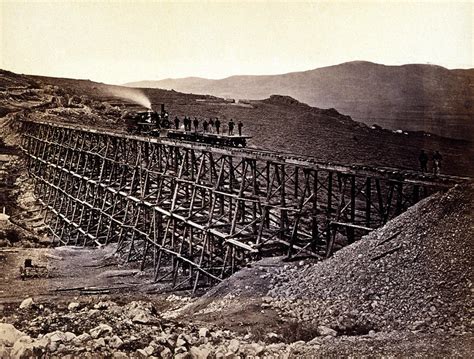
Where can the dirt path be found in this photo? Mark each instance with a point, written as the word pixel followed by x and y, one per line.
pixel 72 272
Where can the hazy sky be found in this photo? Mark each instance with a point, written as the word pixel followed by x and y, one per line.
pixel 122 41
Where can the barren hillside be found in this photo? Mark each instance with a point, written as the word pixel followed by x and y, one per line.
pixel 409 97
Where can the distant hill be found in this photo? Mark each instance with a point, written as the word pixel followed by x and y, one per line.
pixel 409 97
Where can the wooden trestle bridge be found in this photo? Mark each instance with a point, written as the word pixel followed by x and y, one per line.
pixel 197 213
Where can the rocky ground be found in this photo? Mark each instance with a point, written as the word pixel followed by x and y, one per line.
pixel 106 329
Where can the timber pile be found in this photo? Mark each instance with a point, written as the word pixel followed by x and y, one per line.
pixel 412 274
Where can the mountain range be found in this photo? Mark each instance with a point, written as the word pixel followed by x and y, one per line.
pixel 412 97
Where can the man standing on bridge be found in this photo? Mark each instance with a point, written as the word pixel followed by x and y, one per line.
pixel 196 124
pixel 423 158
pixel 239 126
pixel 218 125
pixel 437 158
pixel 231 127
pixel 211 125
pixel 185 123
pixel 176 122
pixel 205 125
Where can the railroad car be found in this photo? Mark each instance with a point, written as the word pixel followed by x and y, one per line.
pixel 158 124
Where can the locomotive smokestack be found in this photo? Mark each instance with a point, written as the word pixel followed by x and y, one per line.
pixel 162 108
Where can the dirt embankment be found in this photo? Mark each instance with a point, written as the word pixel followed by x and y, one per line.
pixel 410 279
pixel 415 273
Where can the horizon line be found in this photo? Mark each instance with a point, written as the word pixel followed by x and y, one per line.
pixel 243 75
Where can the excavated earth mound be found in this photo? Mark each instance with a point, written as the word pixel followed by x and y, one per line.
pixel 414 273
pixel 404 288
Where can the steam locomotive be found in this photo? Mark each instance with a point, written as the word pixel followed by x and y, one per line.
pixel 158 124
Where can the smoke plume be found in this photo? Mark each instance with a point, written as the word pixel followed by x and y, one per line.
pixel 131 94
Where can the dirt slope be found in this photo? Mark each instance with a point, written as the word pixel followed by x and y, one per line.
pixel 414 273
pixel 413 277
pixel 410 97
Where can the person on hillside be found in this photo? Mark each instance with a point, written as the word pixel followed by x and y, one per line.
pixel 196 124
pixel 176 122
pixel 437 158
pixel 423 158
pixel 239 126
pixel 231 127
pixel 218 125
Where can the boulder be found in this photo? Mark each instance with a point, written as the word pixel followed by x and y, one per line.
pixel 100 330
pixel 326 331
pixel 234 346
pixel 181 342
pixel 27 303
pixel 4 352
pixel 41 344
pixel 53 346
pixel 57 336
pixel 115 341
pixel 140 312
pixel 9 334
pixel 315 341
pixel 275 348
pixel 23 348
pixel 61 348
pixel 142 317
pixel 73 306
pixel 200 352
pixel 99 343
pixel 141 353
pixel 256 349
pixel 80 339
pixel 69 336
pixel 297 343
pixel 166 353
pixel 203 333
pixel 149 350
pixel 120 355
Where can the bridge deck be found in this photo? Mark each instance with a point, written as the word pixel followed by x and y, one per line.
pixel 289 158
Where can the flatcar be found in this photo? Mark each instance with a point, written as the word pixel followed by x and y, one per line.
pixel 208 138
pixel 152 123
